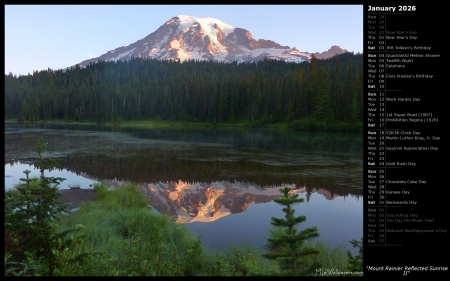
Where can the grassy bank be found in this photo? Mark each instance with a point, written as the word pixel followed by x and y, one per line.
pixel 134 241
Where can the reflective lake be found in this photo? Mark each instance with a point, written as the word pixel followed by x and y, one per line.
pixel 219 182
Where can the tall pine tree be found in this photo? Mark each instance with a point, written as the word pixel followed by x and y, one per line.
pixel 286 244
pixel 29 212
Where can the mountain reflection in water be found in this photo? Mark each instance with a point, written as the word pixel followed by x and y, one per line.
pixel 208 202
pixel 202 202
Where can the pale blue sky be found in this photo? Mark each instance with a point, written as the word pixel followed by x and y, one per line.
pixel 38 37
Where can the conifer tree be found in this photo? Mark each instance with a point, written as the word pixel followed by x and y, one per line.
pixel 286 244
pixel 29 212
pixel 355 263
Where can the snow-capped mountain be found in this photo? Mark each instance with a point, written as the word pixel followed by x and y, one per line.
pixel 189 38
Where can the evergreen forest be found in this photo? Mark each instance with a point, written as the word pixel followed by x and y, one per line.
pixel 329 91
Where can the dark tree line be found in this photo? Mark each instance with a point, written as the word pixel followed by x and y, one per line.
pixel 268 91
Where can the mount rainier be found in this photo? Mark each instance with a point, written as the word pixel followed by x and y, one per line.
pixel 189 38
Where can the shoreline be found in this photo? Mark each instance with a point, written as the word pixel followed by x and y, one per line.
pixel 75 197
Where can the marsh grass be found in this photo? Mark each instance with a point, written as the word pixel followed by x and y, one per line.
pixel 133 241
pixel 74 186
pixel 330 257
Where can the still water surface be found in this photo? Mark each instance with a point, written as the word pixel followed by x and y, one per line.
pixel 219 182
